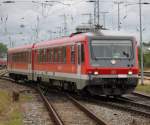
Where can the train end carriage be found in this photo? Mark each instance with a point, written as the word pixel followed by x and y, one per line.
pixel 20 62
pixel 58 62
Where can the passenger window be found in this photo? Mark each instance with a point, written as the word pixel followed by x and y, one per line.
pixel 59 55
pixel 73 54
pixel 40 54
pixel 55 55
pixel 82 53
pixel 79 54
pixel 44 55
pixel 64 54
pixel 50 55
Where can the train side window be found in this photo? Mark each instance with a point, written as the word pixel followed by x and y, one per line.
pixel 40 56
pixel 14 56
pixel 19 57
pixel 59 55
pixel 82 53
pixel 44 55
pixel 73 54
pixel 55 55
pixel 25 55
pixel 64 54
pixel 79 54
pixel 35 56
pixel 50 55
pixel 30 56
pixel 47 55
pixel 22 58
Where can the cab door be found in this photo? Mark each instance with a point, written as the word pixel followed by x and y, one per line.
pixel 29 65
pixel 79 60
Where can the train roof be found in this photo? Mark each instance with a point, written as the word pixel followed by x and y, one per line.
pixel 20 48
pixel 72 38
pixel 61 41
pixel 80 37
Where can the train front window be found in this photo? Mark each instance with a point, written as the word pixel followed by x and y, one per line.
pixel 116 49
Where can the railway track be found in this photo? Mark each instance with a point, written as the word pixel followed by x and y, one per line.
pixel 122 103
pixel 141 95
pixel 2 76
pixel 69 110
pixel 2 73
pixel 77 109
pixel 146 75
pixel 132 106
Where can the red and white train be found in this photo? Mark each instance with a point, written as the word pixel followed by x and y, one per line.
pixel 95 62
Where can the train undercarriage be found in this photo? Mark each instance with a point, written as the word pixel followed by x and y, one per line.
pixel 99 86
pixel 112 86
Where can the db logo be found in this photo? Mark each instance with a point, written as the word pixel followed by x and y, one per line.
pixel 113 72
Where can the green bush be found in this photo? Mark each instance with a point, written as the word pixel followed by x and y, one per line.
pixel 146 59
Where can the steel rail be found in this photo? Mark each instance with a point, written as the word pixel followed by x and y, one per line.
pixel 145 74
pixel 145 77
pixel 85 110
pixel 117 105
pixel 3 73
pixel 51 109
pixel 133 103
pixel 129 109
pixel 141 94
pixel 7 78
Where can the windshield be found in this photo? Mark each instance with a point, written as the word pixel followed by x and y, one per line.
pixel 111 49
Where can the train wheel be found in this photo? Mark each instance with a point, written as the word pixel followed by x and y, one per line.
pixel 117 96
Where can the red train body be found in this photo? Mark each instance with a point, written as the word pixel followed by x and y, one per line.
pixel 94 62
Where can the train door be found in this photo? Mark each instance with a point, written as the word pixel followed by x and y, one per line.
pixel 29 65
pixel 10 61
pixel 79 60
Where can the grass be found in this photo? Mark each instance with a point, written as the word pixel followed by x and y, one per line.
pixel 10 112
pixel 4 101
pixel 26 98
pixel 143 88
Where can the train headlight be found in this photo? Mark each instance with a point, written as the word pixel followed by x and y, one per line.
pixel 130 73
pixel 96 73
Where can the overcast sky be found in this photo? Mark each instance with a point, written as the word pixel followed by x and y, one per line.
pixel 19 21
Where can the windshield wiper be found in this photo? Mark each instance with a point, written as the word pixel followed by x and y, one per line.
pixel 126 54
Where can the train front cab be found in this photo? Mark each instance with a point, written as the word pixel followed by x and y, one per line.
pixel 113 65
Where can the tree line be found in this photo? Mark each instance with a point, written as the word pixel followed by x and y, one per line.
pixel 3 50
